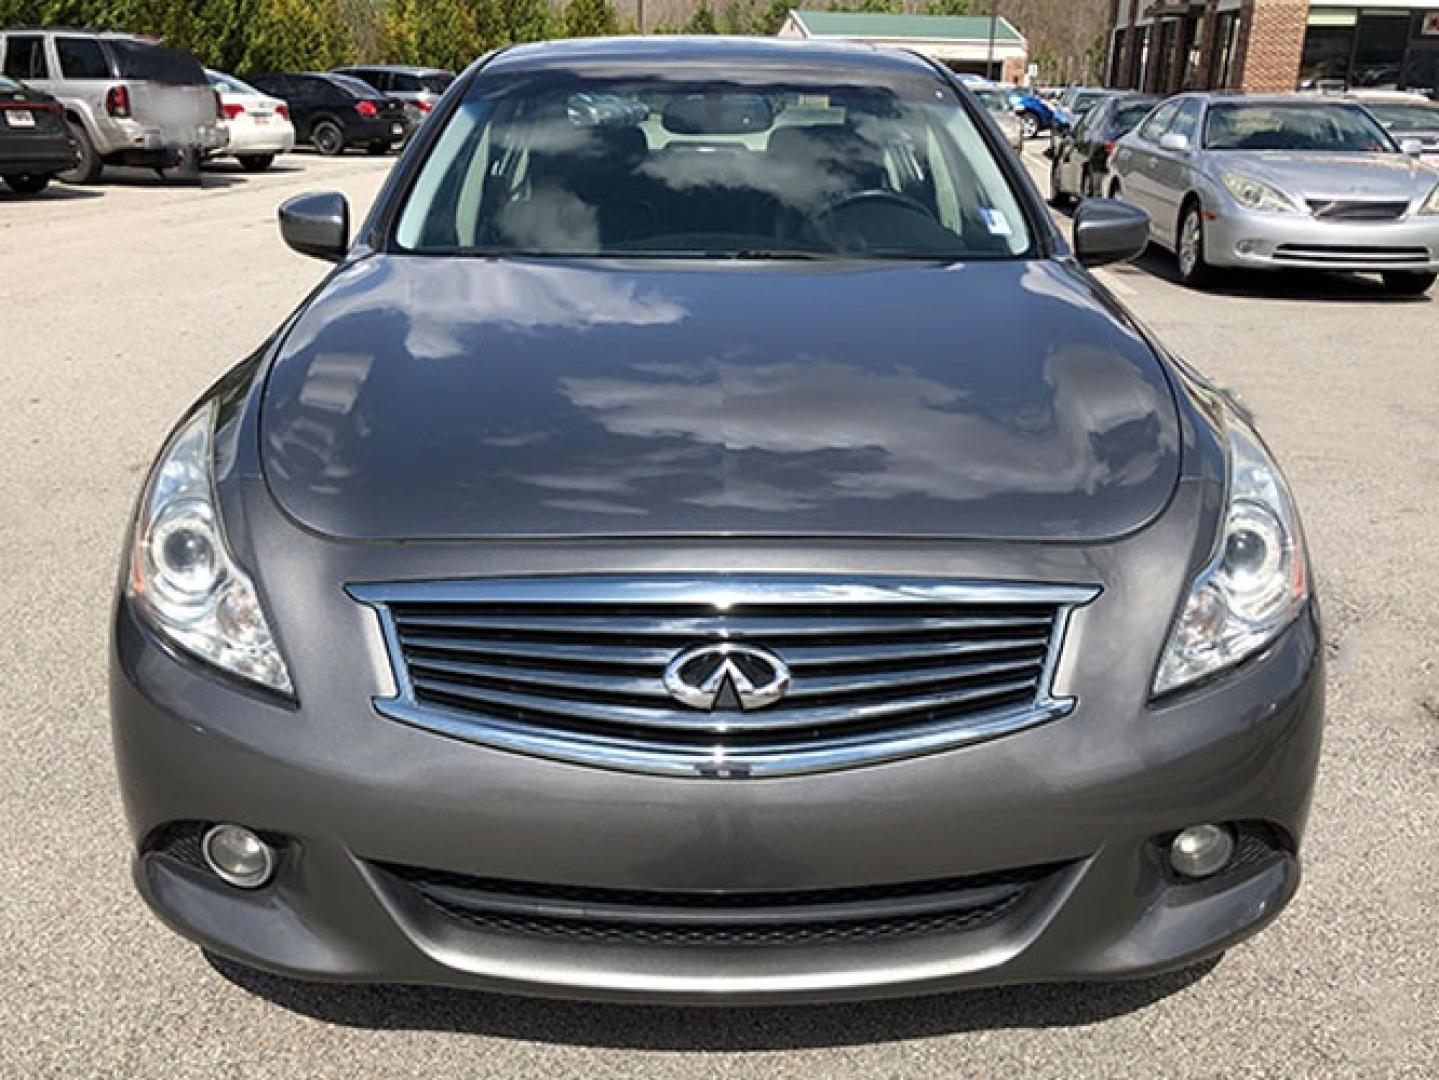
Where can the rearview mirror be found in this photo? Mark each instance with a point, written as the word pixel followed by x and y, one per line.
pixel 1109 231
pixel 1412 147
pixel 317 225
pixel 1172 140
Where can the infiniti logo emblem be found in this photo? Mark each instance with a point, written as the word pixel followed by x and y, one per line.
pixel 727 675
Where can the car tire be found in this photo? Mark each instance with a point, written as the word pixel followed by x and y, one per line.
pixel 26 183
pixel 1088 184
pixel 1194 269
pixel 1029 124
pixel 255 162
pixel 1058 198
pixel 329 140
pixel 1116 189
pixel 1410 282
pixel 88 165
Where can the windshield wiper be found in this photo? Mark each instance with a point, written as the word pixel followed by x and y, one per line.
pixel 779 254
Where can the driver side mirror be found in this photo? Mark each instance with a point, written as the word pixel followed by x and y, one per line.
pixel 1174 141
pixel 317 225
pixel 1109 231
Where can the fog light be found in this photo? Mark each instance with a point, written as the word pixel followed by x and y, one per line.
pixel 1201 850
pixel 238 856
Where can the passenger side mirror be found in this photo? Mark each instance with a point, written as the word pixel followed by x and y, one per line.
pixel 1109 231
pixel 1174 141
pixel 317 225
pixel 1412 147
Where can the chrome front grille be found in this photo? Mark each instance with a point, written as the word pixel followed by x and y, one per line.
pixel 1358 209
pixel 575 668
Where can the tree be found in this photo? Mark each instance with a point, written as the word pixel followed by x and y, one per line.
pixel 590 18
pixel 702 21
pixel 526 20
pixel 294 35
pixel 949 7
pixel 769 21
pixel 442 33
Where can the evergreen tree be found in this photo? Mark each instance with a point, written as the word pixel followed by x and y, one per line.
pixel 949 7
pixel 702 21
pixel 772 17
pixel 294 35
pixel 443 33
pixel 590 18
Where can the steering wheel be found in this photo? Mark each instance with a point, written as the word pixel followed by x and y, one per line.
pixel 876 196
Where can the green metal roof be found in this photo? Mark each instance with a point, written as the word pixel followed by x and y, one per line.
pixel 853 24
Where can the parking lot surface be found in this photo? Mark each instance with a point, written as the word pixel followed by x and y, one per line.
pixel 121 303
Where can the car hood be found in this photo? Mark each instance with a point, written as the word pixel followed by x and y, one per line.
pixel 1333 176
pixel 457 398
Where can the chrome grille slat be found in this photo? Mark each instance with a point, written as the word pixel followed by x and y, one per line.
pixel 574 668
pixel 578 684
pixel 640 716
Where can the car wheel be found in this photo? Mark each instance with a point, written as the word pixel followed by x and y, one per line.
pixel 1088 184
pixel 1194 270
pixel 27 183
pixel 329 140
pixel 88 165
pixel 1410 282
pixel 256 162
pixel 1057 196
pixel 1029 124
pixel 1116 190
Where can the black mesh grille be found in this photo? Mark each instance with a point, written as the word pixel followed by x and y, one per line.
pixel 675 919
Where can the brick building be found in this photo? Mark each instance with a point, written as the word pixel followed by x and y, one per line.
pixel 1164 46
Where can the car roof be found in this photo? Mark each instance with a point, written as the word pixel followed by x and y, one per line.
pixel 399 69
pixel 647 54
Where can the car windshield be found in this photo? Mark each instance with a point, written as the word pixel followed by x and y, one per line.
pixel 995 100
pixel 354 85
pixel 1128 115
pixel 1301 127
pixel 1086 100
pixel 228 84
pixel 1402 118
pixel 153 63
pixel 655 167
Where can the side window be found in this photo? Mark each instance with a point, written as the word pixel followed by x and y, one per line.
pixel 1087 124
pixel 1186 121
pixel 304 90
pixel 81 58
pixel 25 57
pixel 407 84
pixel 1158 120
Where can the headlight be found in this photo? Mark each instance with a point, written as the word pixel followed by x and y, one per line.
pixel 182 578
pixel 1431 204
pixel 1255 194
pixel 1257 582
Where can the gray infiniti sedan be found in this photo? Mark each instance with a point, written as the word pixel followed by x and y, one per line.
pixel 710 539
pixel 1282 183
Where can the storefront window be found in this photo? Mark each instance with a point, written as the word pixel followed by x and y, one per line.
pixel 1328 45
pixel 1221 65
pixel 1379 45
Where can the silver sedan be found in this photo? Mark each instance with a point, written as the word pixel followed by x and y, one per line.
pixel 1282 183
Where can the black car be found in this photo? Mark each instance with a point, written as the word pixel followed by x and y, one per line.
pixel 335 112
pixel 35 144
pixel 1081 157
pixel 710 538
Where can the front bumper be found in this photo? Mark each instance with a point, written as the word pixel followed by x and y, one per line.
pixel 1300 241
pixel 1084 797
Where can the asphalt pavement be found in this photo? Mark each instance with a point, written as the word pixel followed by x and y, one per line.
pixel 120 303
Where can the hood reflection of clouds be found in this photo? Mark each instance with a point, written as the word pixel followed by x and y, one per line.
pixel 879 435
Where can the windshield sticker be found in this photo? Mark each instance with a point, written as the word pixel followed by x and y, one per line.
pixel 995 221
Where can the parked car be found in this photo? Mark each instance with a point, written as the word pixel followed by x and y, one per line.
pixel 35 145
pixel 1072 108
pixel 997 102
pixel 1407 117
pixel 1281 182
pixel 259 125
pixel 1036 115
pixel 336 112
pixel 127 100
pixel 548 607
pixel 1079 168
pixel 420 88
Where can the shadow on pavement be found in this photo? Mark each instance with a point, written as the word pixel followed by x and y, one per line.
pixel 56 192
pixel 723 1029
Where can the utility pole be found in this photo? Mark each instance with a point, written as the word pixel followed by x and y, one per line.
pixel 989 56
pixel 640 15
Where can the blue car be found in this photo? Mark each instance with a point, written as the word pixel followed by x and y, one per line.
pixel 1035 114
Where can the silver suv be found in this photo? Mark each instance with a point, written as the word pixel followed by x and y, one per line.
pixel 127 100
